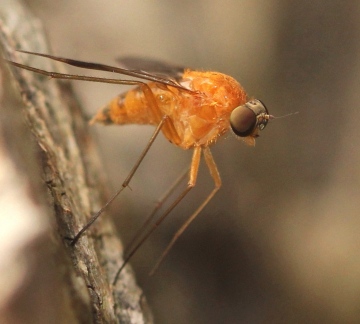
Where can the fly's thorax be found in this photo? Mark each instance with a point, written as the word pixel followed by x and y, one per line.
pixel 202 117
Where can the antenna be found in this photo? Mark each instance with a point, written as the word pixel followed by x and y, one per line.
pixel 283 116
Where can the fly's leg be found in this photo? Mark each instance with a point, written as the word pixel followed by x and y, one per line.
pixel 151 216
pixel 217 180
pixel 165 124
pixel 124 185
pixel 194 168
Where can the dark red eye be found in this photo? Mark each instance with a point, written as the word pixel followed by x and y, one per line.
pixel 244 119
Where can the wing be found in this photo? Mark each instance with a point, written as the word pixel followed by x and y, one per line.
pixel 155 67
pixel 140 74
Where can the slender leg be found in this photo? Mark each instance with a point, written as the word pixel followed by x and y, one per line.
pixel 165 124
pixel 217 180
pixel 124 185
pixel 194 168
pixel 159 204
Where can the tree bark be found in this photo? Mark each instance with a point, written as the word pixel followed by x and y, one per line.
pixel 47 279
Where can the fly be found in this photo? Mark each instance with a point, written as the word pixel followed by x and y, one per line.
pixel 192 109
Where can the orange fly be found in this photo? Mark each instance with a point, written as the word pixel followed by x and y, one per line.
pixel 192 109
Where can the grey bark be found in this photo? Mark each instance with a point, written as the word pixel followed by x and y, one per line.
pixel 51 183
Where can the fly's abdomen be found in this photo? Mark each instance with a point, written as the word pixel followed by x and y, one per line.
pixel 129 108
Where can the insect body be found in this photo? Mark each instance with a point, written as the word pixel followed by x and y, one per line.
pixel 199 118
pixel 192 109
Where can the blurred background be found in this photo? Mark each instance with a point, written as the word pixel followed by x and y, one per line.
pixel 280 241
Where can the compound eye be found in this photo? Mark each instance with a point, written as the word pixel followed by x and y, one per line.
pixel 242 121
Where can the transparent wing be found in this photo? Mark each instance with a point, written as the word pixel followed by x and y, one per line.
pixel 155 67
pixel 140 74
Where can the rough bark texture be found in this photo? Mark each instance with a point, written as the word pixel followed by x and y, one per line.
pixel 47 280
